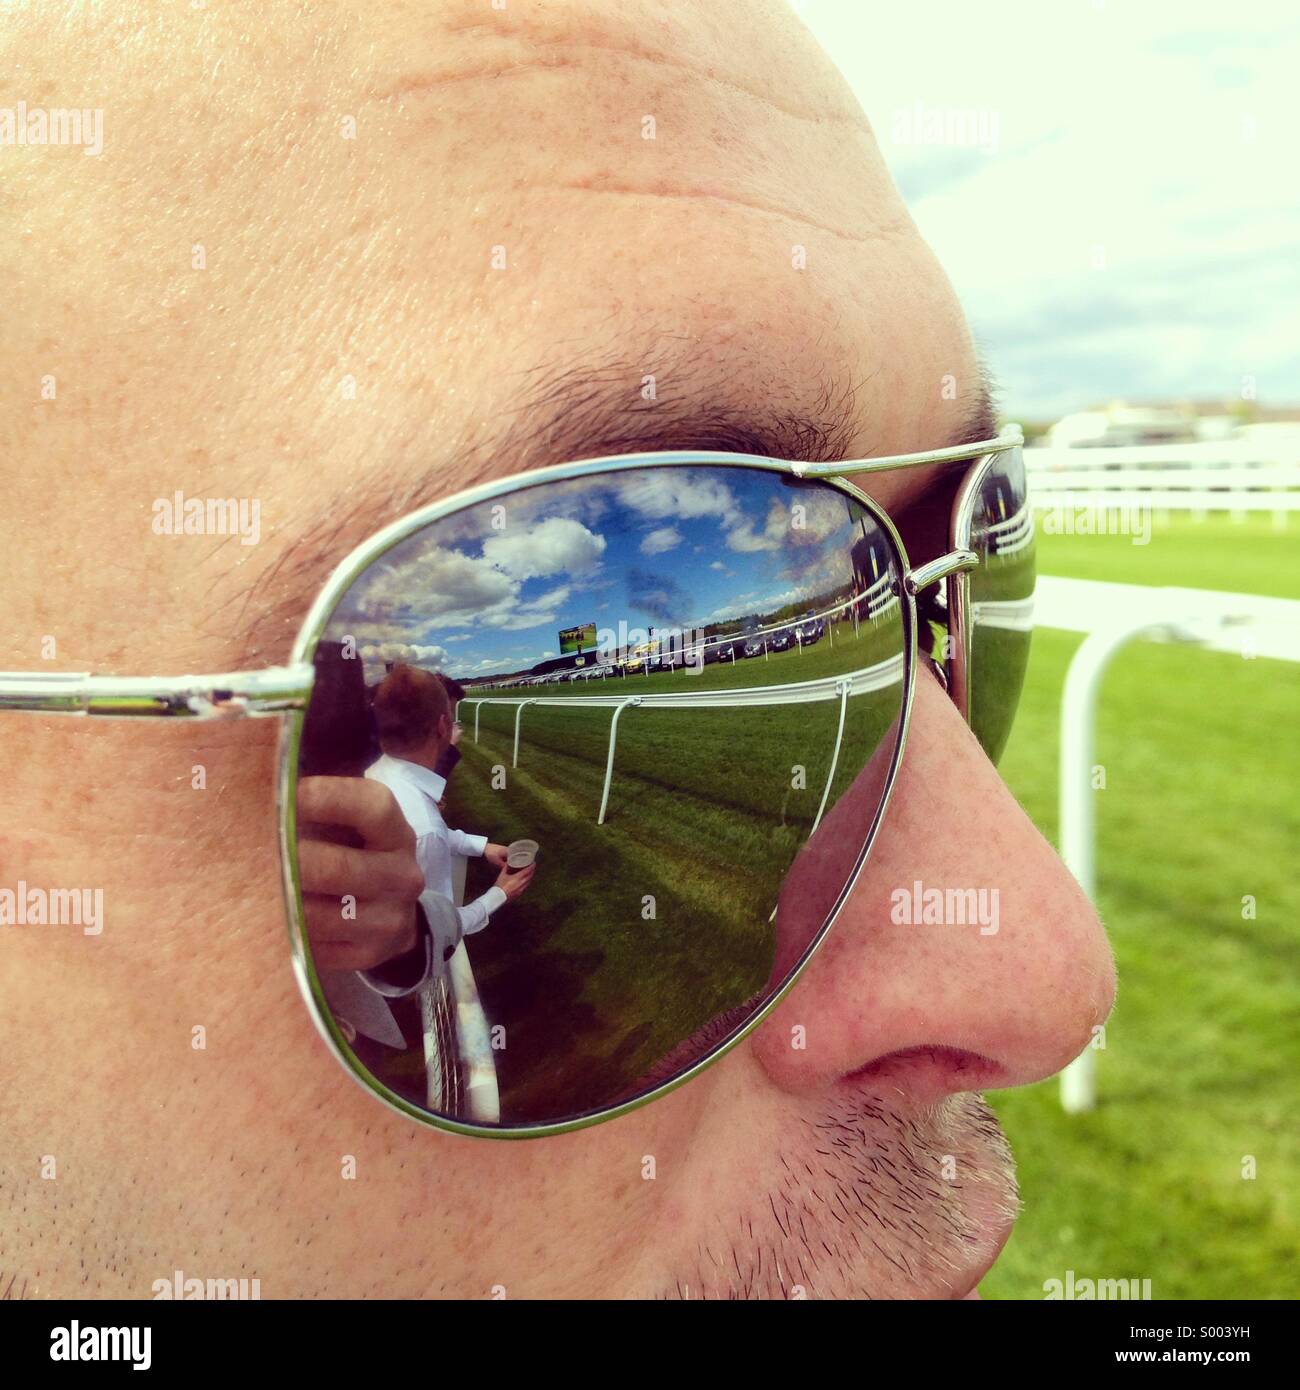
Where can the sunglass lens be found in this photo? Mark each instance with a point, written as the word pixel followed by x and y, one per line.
pixel 680 700
pixel 1001 599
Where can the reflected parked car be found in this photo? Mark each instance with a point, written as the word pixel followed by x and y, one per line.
pixel 721 648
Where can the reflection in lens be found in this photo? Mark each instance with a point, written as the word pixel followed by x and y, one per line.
pixel 665 678
pixel 1002 600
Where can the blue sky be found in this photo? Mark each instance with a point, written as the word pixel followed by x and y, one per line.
pixel 1128 226
pixel 668 547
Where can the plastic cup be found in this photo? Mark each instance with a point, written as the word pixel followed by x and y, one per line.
pixel 520 854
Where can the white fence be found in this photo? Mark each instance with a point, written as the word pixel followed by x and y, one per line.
pixel 1237 476
pixel 864 681
pixel 1234 476
pixel 1014 534
pixel 1113 615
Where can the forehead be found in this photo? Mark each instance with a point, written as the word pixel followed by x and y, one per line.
pixel 327 267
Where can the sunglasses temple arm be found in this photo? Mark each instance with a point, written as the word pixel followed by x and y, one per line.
pixel 957 665
pixel 237 695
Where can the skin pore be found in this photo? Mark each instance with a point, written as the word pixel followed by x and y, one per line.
pixel 348 351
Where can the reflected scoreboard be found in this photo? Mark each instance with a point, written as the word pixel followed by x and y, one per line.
pixel 576 639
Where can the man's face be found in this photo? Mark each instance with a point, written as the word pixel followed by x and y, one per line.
pixel 441 740
pixel 334 259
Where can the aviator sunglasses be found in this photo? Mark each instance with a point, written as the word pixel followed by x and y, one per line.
pixel 687 679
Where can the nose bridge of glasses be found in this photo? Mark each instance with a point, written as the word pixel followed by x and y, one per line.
pixel 953 563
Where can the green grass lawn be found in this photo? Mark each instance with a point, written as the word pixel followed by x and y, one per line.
pixel 1246 556
pixel 1202 1064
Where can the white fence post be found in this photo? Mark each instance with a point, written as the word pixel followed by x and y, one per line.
pixel 835 757
pixel 519 714
pixel 1077 806
pixel 609 761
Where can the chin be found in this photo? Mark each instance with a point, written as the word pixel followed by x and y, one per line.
pixel 864 1199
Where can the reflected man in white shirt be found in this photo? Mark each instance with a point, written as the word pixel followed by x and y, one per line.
pixel 414 720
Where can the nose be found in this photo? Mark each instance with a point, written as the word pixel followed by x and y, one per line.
pixel 965 958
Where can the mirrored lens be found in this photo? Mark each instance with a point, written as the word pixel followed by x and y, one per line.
pixel 1001 599
pixel 640 724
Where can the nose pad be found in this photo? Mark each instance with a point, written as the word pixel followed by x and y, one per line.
pixel 1020 985
pixel 931 613
pixel 937 670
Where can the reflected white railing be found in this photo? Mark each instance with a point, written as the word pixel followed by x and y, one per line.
pixel 460 1069
pixel 1014 534
pixel 865 681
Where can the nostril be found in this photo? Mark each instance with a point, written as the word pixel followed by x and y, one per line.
pixel 928 1072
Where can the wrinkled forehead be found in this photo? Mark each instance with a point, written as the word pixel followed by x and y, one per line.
pixel 344 260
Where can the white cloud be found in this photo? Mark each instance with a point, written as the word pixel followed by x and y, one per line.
pixel 688 494
pixel 537 612
pixel 426 589
pixel 680 494
pixel 558 545
pixel 775 533
pixel 428 585
pixel 745 604
pixel 1154 138
pixel 432 658
pixel 661 539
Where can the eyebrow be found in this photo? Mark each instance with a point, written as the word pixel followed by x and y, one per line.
pixel 573 413
pixel 592 411
pixel 563 412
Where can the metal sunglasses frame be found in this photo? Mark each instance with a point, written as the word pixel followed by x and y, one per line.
pixel 286 690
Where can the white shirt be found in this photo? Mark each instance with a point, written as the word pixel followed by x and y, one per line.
pixel 417 791
pixel 355 995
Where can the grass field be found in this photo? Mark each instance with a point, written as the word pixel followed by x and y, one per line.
pixel 1245 556
pixel 1202 1065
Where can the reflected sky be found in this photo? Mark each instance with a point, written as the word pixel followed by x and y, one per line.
pixel 486 591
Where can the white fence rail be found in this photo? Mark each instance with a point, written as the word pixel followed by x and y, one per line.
pixel 861 682
pixel 1235 476
pixel 1113 615
pixel 1014 534
pixel 1220 454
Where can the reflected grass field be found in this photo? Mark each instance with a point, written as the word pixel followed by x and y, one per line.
pixel 708 808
